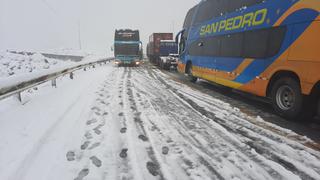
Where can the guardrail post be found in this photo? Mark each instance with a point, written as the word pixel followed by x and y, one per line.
pixel 54 83
pixel 71 75
pixel 19 96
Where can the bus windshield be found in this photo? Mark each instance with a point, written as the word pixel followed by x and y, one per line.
pixel 126 49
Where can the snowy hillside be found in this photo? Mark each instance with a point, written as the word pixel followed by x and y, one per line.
pixel 17 65
pixel 16 68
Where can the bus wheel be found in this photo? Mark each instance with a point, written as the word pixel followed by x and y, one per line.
pixel 190 74
pixel 287 98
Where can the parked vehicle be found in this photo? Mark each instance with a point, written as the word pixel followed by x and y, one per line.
pixel 127 47
pixel 267 48
pixel 169 62
pixel 168 50
pixel 153 48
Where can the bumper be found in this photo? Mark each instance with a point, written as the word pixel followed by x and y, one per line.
pixel 128 63
pixel 127 60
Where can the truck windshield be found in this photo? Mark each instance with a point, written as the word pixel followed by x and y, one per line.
pixel 167 48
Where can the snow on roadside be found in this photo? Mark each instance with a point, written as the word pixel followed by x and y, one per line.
pixel 17 68
pixel 37 135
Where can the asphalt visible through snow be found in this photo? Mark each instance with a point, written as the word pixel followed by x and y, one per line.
pixel 141 123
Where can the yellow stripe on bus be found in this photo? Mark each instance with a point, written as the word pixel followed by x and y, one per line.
pixel 243 65
pixel 222 81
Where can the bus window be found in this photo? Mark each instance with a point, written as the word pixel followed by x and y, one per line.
pixel 182 43
pixel 231 45
pixel 215 8
pixel 188 19
pixel 255 45
pixel 207 10
pixel 210 47
pixel 276 38
pixel 263 43
pixel 195 49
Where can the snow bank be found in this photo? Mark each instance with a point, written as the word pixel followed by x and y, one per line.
pixel 17 68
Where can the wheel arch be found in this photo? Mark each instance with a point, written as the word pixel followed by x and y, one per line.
pixel 281 74
pixel 316 89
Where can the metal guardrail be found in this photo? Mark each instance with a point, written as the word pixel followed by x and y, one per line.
pixel 20 87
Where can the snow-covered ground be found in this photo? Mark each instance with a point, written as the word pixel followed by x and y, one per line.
pixel 16 68
pixel 136 123
pixel 12 64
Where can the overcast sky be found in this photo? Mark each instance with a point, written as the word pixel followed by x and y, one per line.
pixel 53 24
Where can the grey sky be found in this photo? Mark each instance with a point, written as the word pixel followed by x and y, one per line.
pixel 53 24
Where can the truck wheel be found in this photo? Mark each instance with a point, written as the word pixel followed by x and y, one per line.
pixel 287 98
pixel 190 74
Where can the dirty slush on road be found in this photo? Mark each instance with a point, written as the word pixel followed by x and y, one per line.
pixel 145 126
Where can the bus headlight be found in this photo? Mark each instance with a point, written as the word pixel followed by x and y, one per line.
pixel 137 63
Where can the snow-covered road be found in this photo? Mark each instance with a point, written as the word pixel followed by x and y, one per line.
pixel 137 123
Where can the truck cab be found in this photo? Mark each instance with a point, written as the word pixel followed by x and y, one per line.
pixel 168 54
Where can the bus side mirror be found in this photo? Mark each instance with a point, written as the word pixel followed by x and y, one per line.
pixel 177 39
pixel 112 48
pixel 178 36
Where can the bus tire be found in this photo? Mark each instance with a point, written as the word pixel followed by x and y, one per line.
pixel 287 99
pixel 189 73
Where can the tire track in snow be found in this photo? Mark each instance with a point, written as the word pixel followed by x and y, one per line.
pixel 141 155
pixel 264 147
pixel 126 169
pixel 186 127
pixel 184 160
pixel 271 153
pixel 183 151
pixel 272 172
pixel 153 165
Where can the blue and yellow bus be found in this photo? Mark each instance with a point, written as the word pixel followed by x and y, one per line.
pixel 269 48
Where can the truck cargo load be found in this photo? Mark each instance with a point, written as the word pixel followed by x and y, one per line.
pixel 153 49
